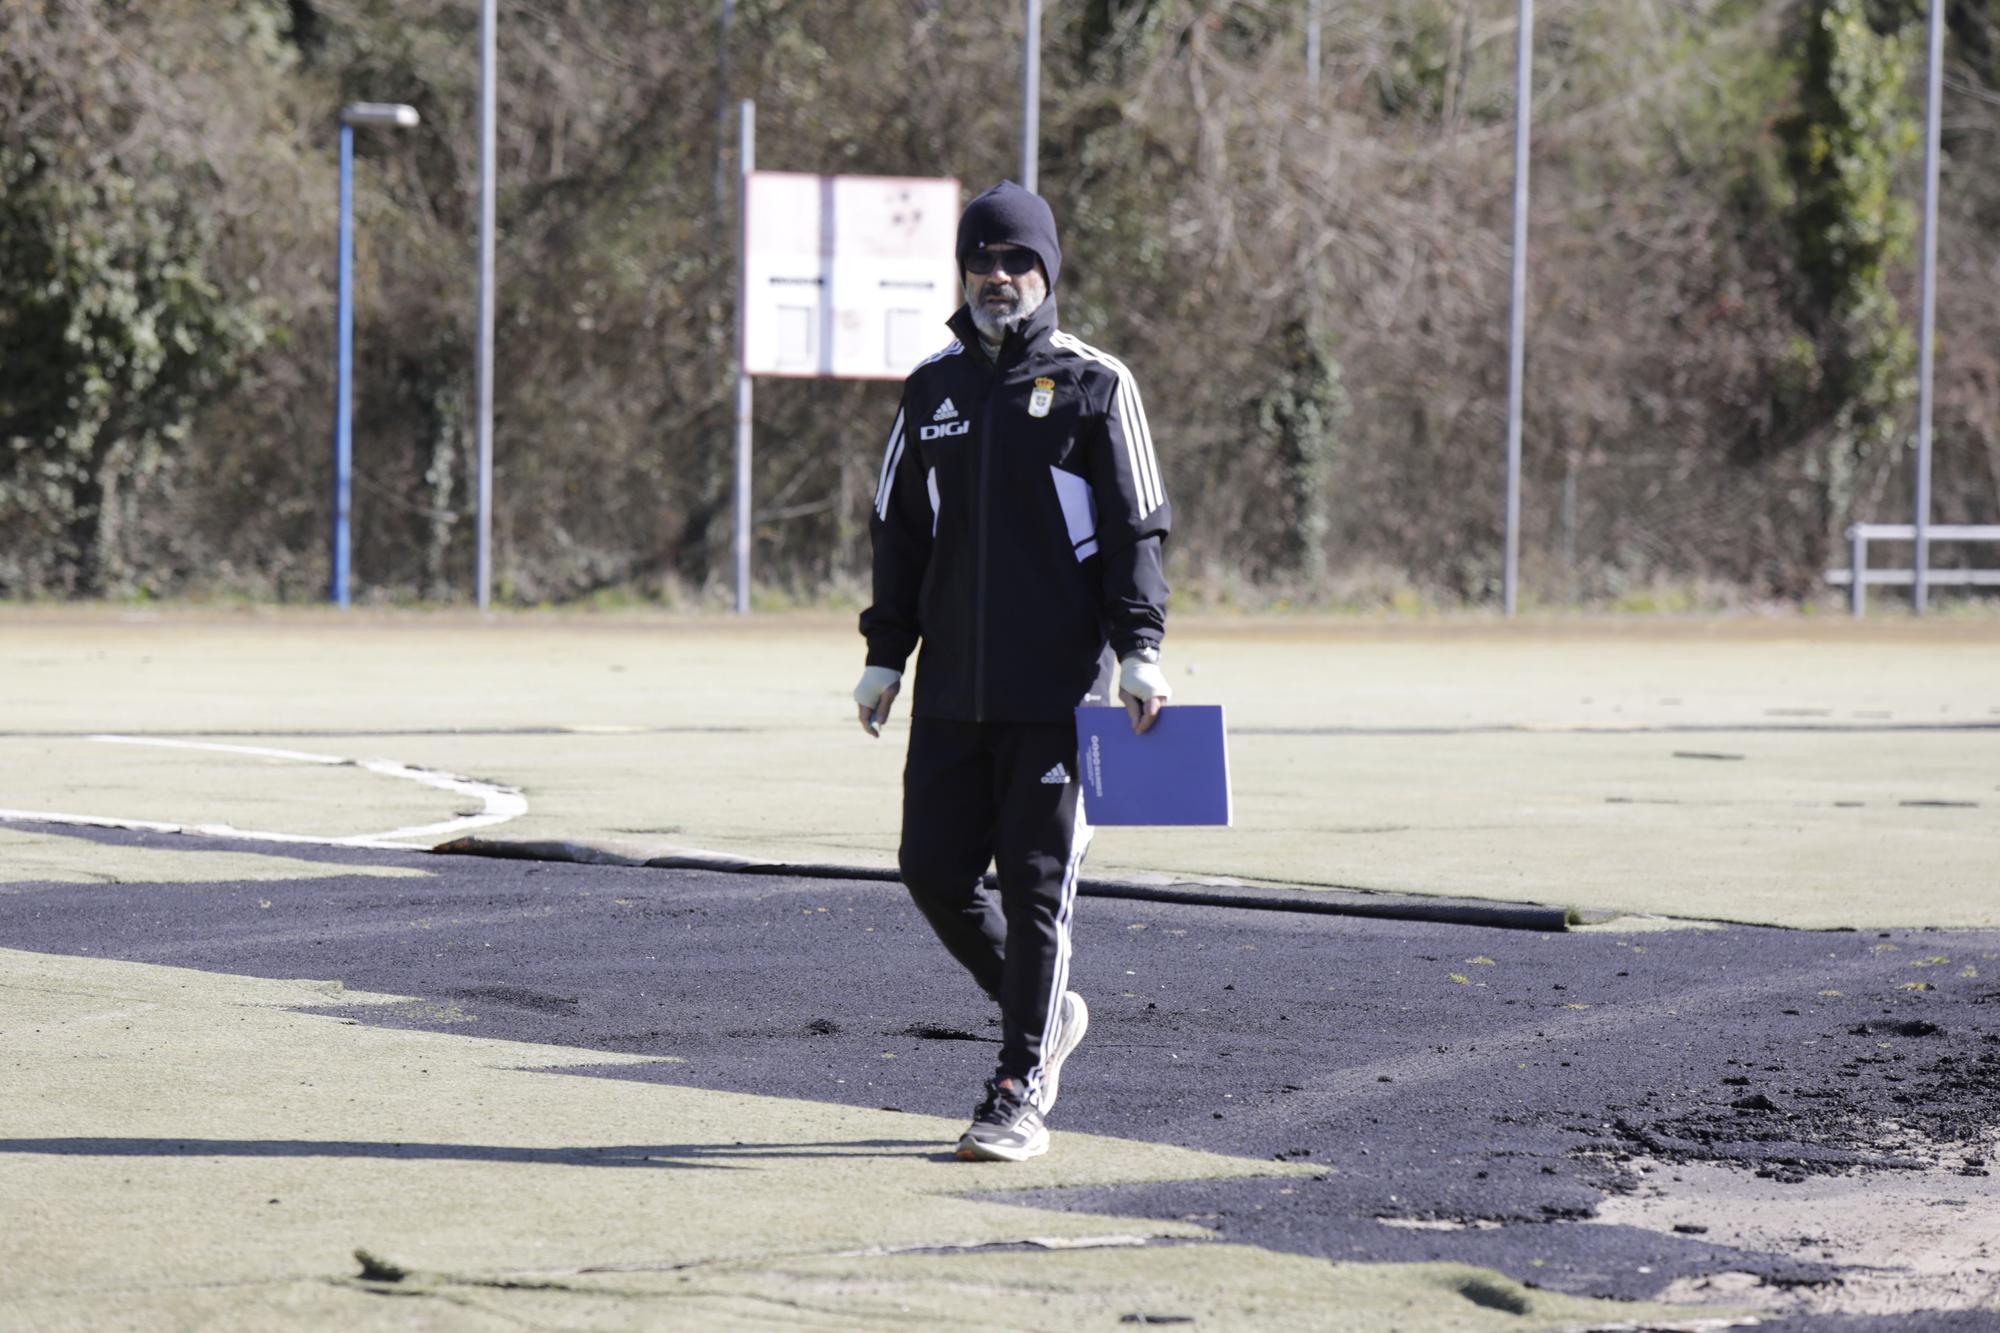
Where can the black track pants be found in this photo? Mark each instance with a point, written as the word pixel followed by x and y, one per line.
pixel 1004 793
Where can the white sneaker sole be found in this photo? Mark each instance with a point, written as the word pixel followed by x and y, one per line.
pixel 972 1150
pixel 1068 1037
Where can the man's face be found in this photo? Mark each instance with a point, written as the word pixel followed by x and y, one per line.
pixel 999 297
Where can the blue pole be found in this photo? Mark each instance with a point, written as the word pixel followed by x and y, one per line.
pixel 343 397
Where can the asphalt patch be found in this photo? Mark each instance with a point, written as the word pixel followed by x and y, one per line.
pixel 1472 1094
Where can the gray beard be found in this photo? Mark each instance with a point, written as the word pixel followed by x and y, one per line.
pixel 994 328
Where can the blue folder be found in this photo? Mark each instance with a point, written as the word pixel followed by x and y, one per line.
pixel 1177 773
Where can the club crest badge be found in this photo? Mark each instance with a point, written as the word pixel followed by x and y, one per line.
pixel 1043 398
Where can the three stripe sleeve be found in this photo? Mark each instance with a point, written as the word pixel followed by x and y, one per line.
pixel 1128 419
pixel 1128 466
pixel 891 457
pixel 899 529
pixel 1133 515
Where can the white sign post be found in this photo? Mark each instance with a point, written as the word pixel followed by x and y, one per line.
pixel 846 277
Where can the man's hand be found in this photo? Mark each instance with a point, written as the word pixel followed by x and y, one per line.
pixel 1143 689
pixel 875 695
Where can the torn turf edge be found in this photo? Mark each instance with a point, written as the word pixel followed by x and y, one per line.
pixel 1327 902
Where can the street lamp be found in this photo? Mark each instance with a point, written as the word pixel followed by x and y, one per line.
pixel 370 115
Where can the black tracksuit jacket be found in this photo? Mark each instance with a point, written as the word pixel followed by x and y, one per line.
pixel 1017 526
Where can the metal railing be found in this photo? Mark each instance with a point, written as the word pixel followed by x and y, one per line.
pixel 1858 577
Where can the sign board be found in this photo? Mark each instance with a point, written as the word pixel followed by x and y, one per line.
pixel 1177 773
pixel 847 276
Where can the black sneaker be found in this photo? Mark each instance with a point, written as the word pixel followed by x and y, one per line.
pixel 1005 1128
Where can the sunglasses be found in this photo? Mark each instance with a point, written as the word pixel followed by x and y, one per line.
pixel 1014 262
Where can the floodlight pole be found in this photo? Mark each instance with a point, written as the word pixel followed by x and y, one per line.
pixel 375 115
pixel 1920 566
pixel 746 163
pixel 1031 97
pixel 483 357
pixel 1312 46
pixel 343 395
pixel 723 81
pixel 1516 328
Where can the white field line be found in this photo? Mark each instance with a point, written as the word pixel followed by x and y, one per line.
pixel 499 804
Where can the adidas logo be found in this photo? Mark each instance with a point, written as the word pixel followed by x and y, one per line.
pixel 945 423
pixel 1056 777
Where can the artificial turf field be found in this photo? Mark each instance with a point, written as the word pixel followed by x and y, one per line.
pixel 178 1053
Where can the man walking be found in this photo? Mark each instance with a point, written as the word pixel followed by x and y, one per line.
pixel 1017 529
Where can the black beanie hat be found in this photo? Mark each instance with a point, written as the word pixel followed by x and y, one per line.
pixel 1010 215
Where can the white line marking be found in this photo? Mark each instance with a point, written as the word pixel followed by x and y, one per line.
pixel 498 803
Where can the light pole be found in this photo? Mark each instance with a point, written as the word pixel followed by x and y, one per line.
pixel 482 361
pixel 1312 48
pixel 1920 565
pixel 1524 41
pixel 372 115
pixel 1031 98
pixel 746 164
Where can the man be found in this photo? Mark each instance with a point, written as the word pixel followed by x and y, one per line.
pixel 1017 529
